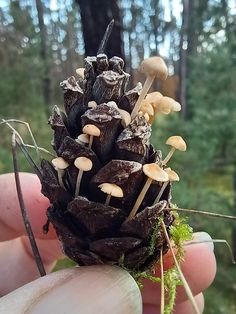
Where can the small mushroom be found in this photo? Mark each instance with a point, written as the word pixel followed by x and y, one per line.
pixel 111 189
pixel 80 72
pixel 173 176
pixel 92 131
pixel 60 165
pixel 176 142
pixel 92 104
pixel 153 172
pixel 153 67
pixel 146 107
pixel 84 138
pixel 126 118
pixel 83 164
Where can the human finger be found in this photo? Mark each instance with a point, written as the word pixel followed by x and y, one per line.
pixel 11 223
pixel 87 290
pixel 17 263
pixel 199 269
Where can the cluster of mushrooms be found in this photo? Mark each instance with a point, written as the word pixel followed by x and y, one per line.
pixel 149 106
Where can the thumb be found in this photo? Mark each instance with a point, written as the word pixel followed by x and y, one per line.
pixel 85 290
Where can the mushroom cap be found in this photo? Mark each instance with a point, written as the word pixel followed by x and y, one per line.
pixel 166 104
pixel 80 71
pixel 83 163
pixel 176 106
pixel 177 142
pixel 154 97
pixel 156 67
pixel 173 176
pixel 91 129
pixel 84 138
pixel 111 189
pixel 126 117
pixel 60 163
pixel 146 107
pixel 155 172
pixel 92 104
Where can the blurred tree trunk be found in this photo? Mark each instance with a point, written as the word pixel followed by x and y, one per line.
pixel 183 57
pixel 234 226
pixel 95 16
pixel 44 56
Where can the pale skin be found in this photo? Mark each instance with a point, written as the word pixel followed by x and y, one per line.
pixel 78 290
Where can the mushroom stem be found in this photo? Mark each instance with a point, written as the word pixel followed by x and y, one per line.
pixel 143 93
pixel 108 199
pixel 90 141
pixel 78 182
pixel 60 174
pixel 169 155
pixel 164 185
pixel 140 199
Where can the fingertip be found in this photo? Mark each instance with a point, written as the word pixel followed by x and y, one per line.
pixel 88 290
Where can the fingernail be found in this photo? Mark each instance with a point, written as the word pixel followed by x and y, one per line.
pixel 94 289
pixel 203 237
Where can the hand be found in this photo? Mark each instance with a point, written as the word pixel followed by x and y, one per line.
pixel 85 290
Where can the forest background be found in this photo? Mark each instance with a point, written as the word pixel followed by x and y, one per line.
pixel 42 42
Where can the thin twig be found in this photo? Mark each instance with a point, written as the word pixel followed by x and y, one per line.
pixel 184 281
pixel 200 212
pixel 28 228
pixel 29 159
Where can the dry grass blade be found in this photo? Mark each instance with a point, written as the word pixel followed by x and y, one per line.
pixel 215 241
pixel 35 146
pixel 184 281
pixel 200 212
pixel 162 308
pixel 28 228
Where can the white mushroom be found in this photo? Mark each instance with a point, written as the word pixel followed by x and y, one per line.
pixel 83 164
pixel 92 131
pixel 153 67
pixel 176 142
pixel 126 118
pixel 153 172
pixel 111 189
pixel 173 176
pixel 80 72
pixel 60 165
pixel 84 138
pixel 92 104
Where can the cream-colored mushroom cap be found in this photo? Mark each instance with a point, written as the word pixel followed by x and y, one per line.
pixel 154 97
pixel 92 104
pixel 155 66
pixel 177 142
pixel 146 107
pixel 155 172
pixel 176 106
pixel 166 104
pixel 60 163
pixel 91 129
pixel 83 138
pixel 126 117
pixel 80 71
pixel 173 176
pixel 83 163
pixel 111 189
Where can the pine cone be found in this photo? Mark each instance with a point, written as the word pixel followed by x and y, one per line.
pixel 98 175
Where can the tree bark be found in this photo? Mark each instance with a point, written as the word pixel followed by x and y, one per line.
pixel 183 58
pixel 95 16
pixel 46 81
